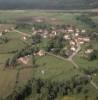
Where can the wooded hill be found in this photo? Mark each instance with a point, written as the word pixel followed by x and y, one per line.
pixel 48 4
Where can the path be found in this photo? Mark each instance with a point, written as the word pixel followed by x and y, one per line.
pixel 94 85
pixel 22 33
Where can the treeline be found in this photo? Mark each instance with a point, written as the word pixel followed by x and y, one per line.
pixel 87 20
pixel 48 4
pixel 50 90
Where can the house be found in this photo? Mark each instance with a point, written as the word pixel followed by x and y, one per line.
pixel 1 34
pixel 23 60
pixel 44 36
pixel 67 37
pixel 6 30
pixel 54 32
pixel 88 51
pixel 82 40
pixel 86 39
pixel 73 49
pixel 70 30
pixel 24 38
pixel 83 31
pixel 76 34
pixel 72 42
pixel 41 53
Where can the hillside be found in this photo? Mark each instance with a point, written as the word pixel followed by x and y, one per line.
pixel 48 4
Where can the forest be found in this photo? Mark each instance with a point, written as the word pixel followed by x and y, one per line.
pixel 48 4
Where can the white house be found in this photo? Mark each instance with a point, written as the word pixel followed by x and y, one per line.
pixel 88 51
pixel 72 43
pixel 73 48
pixel 86 39
pixel 66 37
pixel 83 30
pixel 1 34
pixel 41 53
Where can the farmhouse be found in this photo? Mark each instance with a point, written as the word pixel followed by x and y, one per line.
pixel 41 53
pixel 86 39
pixel 88 51
pixel 83 30
pixel 1 34
pixel 23 60
pixel 72 43
pixel 73 49
pixel 67 37
pixel 70 30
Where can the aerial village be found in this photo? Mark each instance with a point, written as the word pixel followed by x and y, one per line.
pixel 74 36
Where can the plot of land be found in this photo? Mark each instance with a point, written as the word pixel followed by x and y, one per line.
pixel 7 81
pixel 54 69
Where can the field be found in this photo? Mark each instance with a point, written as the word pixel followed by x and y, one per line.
pixel 55 69
pixel 53 17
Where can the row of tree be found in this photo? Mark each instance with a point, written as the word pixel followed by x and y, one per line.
pixel 3 40
pixel 50 90
pixel 24 52
pixel 87 20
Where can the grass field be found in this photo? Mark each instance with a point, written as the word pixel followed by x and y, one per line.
pixel 83 63
pixel 12 45
pixel 55 69
pixel 53 17
pixel 13 35
pixel 7 81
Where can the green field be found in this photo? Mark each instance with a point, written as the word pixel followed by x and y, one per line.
pixel 55 69
pixel 48 16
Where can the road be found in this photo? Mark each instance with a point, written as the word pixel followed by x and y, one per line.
pixel 75 53
pixel 93 84
pixel 22 33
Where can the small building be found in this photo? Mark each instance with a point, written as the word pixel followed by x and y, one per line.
pixel 23 60
pixel 1 34
pixel 88 51
pixel 70 30
pixel 72 43
pixel 76 34
pixel 73 49
pixel 83 31
pixel 86 39
pixel 41 53
pixel 24 38
pixel 6 30
pixel 66 37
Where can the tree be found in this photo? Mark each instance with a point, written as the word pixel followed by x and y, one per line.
pixel 7 63
pixel 33 60
pixel 36 39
